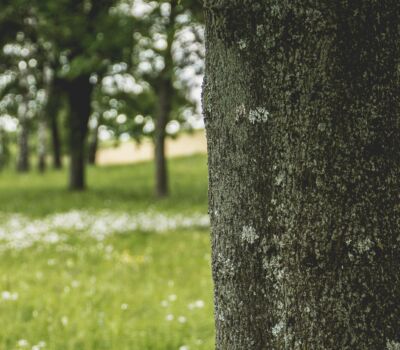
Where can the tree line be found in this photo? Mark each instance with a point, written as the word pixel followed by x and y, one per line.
pixel 70 69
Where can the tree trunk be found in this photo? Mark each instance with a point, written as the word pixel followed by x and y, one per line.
pixel 165 93
pixel 93 145
pixel 42 128
pixel 23 147
pixel 4 151
pixel 53 109
pixel 79 92
pixel 164 100
pixel 301 102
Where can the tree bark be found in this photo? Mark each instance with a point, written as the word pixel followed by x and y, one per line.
pixel 79 92
pixel 4 151
pixel 164 99
pixel 23 147
pixel 53 109
pixel 301 102
pixel 42 140
pixel 165 93
pixel 93 145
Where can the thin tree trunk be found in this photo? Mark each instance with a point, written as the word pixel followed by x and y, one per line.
pixel 42 140
pixel 165 93
pixel 23 139
pixel 4 152
pixel 93 145
pixel 301 102
pixel 164 100
pixel 53 109
pixel 56 142
pixel 79 92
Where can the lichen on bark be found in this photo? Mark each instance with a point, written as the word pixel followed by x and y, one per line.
pixel 317 180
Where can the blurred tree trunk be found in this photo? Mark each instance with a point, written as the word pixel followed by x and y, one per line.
pixel 79 92
pixel 164 100
pixel 93 145
pixel 56 141
pixel 4 151
pixel 301 102
pixel 23 139
pixel 42 140
pixel 53 110
pixel 165 93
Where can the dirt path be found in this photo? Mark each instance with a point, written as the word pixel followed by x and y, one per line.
pixel 130 152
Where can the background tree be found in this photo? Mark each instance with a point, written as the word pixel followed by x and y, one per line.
pixel 82 34
pixel 157 61
pixel 54 106
pixel 302 115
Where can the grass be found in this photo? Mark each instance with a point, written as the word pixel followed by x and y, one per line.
pixel 133 290
pixel 127 187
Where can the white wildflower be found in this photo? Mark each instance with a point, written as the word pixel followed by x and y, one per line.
pixel 23 343
pixel 7 295
pixel 182 319
pixel 64 321
pixel 172 297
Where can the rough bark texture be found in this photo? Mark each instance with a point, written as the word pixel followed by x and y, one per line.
pixel 164 94
pixel 301 100
pixel 79 95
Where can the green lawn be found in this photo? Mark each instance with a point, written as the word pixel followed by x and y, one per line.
pixel 148 287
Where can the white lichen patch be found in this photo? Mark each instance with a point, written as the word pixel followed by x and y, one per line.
pixel 240 112
pixel 260 30
pixel 321 126
pixel 249 234
pixel 225 265
pixel 278 328
pixel 392 345
pixel 364 245
pixel 279 179
pixel 258 115
pixel 242 44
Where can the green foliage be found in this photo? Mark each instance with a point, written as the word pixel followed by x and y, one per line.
pixel 83 34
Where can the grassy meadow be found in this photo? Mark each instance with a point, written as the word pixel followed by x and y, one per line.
pixel 109 268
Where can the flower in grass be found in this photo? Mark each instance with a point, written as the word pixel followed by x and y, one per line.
pixel 22 343
pixel 7 295
pixel 169 317
pixel 39 346
pixel 184 347
pixel 75 284
pixel 124 306
pixel 182 319
pixel 198 304
pixel 172 297
pixel 64 321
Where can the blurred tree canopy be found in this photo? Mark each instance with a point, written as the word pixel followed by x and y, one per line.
pixel 126 67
